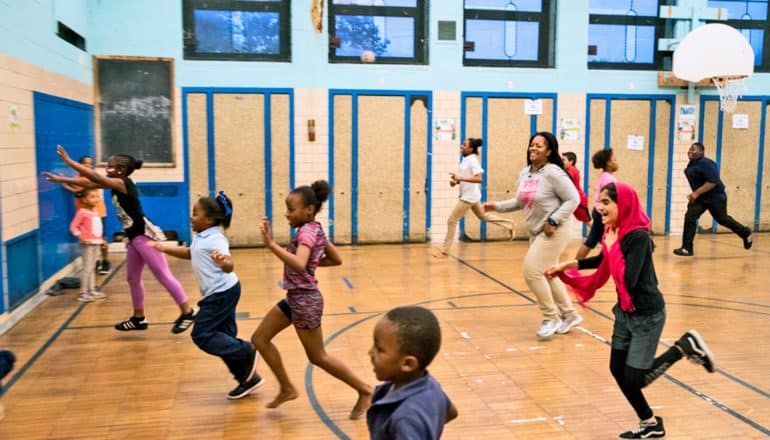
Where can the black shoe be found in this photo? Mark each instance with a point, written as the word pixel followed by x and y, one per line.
pixel 105 267
pixel 646 430
pixel 696 350
pixel 184 322
pixel 682 252
pixel 244 388
pixel 748 241
pixel 132 323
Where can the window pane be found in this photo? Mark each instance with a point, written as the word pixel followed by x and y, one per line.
pixel 757 39
pixel 640 8
pixel 411 3
pixel 503 40
pixel 742 9
pixel 385 36
pixel 503 5
pixel 237 32
pixel 621 43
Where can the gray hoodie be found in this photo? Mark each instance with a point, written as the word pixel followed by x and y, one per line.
pixel 545 193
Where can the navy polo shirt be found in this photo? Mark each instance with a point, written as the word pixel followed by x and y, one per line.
pixel 417 410
pixel 702 170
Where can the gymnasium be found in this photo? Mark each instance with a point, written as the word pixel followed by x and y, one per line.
pixel 255 98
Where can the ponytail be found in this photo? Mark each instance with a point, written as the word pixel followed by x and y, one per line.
pixel 315 194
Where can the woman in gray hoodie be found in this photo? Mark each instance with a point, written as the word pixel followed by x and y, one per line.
pixel 548 198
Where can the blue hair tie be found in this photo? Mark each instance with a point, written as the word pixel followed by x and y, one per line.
pixel 225 202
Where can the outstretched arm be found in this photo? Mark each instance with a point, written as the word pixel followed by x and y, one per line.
pixel 89 173
pixel 175 251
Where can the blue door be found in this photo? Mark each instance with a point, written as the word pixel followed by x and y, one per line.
pixel 69 123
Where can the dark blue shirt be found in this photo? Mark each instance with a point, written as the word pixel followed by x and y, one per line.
pixel 702 170
pixel 417 410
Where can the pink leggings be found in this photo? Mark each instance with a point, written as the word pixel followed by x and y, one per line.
pixel 140 254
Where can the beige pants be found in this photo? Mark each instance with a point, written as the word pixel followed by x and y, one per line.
pixel 543 253
pixel 459 212
pixel 90 253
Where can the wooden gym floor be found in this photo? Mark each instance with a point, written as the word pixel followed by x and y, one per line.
pixel 77 378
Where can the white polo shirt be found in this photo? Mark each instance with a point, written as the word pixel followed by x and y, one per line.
pixel 469 167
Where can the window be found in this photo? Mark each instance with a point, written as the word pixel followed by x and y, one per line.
pixel 509 33
pixel 393 31
pixel 623 34
pixel 750 17
pixel 255 30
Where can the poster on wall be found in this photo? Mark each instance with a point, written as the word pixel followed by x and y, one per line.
pixel 741 121
pixel 444 129
pixel 533 107
pixel 570 129
pixel 13 117
pixel 686 126
pixel 635 142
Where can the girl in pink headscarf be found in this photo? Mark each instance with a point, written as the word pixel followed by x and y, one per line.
pixel 640 312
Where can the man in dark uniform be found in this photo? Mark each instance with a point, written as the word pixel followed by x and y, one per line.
pixel 708 193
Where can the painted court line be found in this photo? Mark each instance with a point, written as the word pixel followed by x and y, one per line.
pixel 55 335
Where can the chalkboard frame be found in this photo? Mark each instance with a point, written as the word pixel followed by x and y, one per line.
pixel 98 101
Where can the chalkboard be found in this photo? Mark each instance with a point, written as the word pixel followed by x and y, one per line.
pixel 135 108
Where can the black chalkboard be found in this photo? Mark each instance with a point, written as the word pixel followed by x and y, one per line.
pixel 135 108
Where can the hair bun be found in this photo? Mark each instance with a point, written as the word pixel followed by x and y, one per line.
pixel 321 189
pixel 225 203
pixel 138 163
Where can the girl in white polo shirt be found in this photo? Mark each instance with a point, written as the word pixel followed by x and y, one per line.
pixel 215 329
pixel 469 180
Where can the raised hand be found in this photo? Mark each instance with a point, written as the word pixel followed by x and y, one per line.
pixel 264 227
pixel 61 152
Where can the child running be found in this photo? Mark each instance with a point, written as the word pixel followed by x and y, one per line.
pixel 640 311
pixel 303 305
pixel 87 227
pixel 410 404
pixel 215 328
pixel 603 160
pixel 139 231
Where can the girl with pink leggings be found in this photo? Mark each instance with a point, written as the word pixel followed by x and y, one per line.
pixel 139 231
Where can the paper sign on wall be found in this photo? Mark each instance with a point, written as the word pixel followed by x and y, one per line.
pixel 570 129
pixel 13 117
pixel 533 107
pixel 740 121
pixel 686 126
pixel 635 142
pixel 444 129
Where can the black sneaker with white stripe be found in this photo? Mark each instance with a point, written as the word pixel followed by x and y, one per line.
pixel 647 430
pixel 184 322
pixel 244 388
pixel 133 323
pixel 696 350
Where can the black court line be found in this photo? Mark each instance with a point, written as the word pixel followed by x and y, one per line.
pixel 55 335
pixel 682 385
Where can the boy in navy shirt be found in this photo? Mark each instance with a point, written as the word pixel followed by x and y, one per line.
pixel 410 404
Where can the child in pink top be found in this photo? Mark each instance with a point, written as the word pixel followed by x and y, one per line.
pixel 87 227
pixel 602 160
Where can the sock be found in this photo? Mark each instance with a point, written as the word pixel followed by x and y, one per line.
pixel 652 421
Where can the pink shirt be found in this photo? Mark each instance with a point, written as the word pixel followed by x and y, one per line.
pixel 605 178
pixel 310 235
pixel 87 226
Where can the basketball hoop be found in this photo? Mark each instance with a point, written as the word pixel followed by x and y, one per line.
pixel 718 52
pixel 730 89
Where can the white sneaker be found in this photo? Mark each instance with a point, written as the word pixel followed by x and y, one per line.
pixel 569 323
pixel 86 298
pixel 548 327
pixel 95 294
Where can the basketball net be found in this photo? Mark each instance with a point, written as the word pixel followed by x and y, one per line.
pixel 730 89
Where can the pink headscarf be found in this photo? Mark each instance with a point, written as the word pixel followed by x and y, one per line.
pixel 631 217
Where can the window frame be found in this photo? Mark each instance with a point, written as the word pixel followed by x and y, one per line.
pixel 282 7
pixel 418 12
pixel 646 20
pixel 740 24
pixel 546 39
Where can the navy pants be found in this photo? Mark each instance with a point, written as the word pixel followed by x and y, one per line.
pixel 215 332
